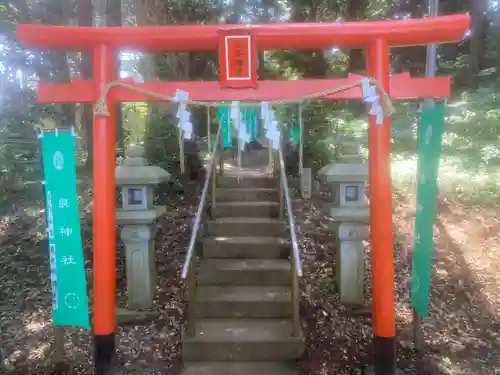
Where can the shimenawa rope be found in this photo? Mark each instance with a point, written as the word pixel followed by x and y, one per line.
pixel 101 108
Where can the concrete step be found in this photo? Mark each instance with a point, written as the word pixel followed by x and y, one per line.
pixel 245 247
pixel 249 209
pixel 246 226
pixel 247 182
pixel 243 340
pixel 244 302
pixel 246 194
pixel 237 368
pixel 245 272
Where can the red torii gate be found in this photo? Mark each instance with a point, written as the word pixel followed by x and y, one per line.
pixel 376 37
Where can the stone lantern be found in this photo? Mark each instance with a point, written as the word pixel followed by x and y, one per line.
pixel 137 216
pixel 350 212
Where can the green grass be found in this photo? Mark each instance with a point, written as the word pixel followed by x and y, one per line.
pixel 479 187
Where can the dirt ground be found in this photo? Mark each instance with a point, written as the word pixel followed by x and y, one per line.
pixel 461 333
pixel 152 347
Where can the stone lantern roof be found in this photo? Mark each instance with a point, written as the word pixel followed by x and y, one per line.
pixel 136 171
pixel 136 177
pixel 344 173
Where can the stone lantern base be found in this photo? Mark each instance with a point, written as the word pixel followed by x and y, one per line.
pixel 350 260
pixel 350 212
pixel 140 265
pixel 137 216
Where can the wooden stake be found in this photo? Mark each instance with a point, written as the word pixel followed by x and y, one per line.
pixel 209 123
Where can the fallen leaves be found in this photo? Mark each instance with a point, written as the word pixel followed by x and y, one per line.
pixel 462 331
pixel 152 347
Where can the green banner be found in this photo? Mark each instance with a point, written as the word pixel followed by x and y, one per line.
pixel 67 267
pixel 295 135
pixel 250 118
pixel 430 137
pixel 224 115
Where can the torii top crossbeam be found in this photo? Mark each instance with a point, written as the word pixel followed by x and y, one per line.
pixel 282 36
pixel 237 45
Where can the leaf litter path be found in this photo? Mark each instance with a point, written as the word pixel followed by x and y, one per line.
pixel 462 334
pixel 25 313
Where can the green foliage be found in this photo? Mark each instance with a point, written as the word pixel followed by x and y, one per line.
pixel 162 147
pixel 473 129
pixel 19 147
pixel 134 121
pixel 161 143
pixel 472 133
pixel 328 285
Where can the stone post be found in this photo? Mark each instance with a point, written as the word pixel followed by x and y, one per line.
pixel 137 218
pixel 350 213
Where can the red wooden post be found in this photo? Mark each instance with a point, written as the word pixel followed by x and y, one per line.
pixel 104 216
pixel 379 138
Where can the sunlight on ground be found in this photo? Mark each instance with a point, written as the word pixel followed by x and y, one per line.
pixel 16 354
pixel 404 312
pixel 39 352
pixel 447 367
pixel 469 185
pixel 34 211
pixel 35 327
pixel 36 322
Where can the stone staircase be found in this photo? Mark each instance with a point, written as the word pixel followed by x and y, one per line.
pixel 243 302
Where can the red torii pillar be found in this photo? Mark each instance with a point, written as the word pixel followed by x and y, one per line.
pixel 376 37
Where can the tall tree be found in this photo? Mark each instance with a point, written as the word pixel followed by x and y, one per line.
pixel 478 37
pixel 56 12
pixel 316 66
pixel 268 9
pixel 84 15
pixel 497 36
pixel 355 11
pixel 113 10
pixel 236 12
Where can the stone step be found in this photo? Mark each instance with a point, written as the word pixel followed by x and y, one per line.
pixel 237 368
pixel 245 247
pixel 249 209
pixel 246 194
pixel 247 182
pixel 246 226
pixel 243 302
pixel 245 272
pixel 243 340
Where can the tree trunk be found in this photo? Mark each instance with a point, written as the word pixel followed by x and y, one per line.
pixel 60 13
pixel 62 75
pixel 266 18
pixel 147 13
pixel 497 37
pixel 477 39
pixel 355 11
pixel 84 15
pixel 113 9
pixel 317 67
pixel 237 10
